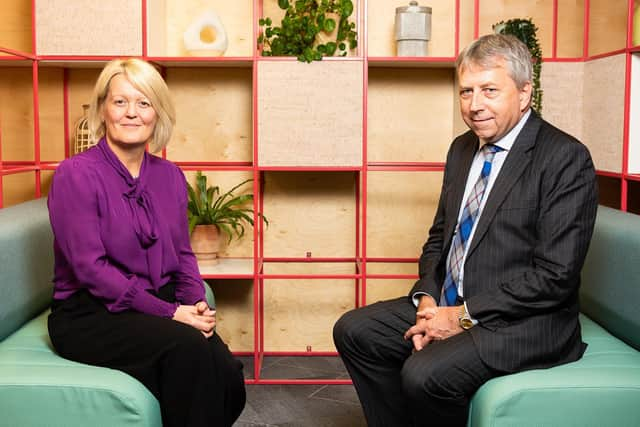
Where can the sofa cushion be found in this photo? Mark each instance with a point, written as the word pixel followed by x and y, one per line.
pixel 37 385
pixel 610 288
pixel 589 392
pixel 26 262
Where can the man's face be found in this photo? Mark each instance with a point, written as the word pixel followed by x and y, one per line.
pixel 490 102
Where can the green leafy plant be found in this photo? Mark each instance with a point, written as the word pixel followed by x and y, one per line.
pixel 525 30
pixel 228 211
pixel 300 32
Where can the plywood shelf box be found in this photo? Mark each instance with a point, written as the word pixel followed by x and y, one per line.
pixel 346 155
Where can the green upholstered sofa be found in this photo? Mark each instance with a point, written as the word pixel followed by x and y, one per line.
pixel 603 388
pixel 38 387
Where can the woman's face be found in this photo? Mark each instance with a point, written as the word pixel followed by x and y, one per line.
pixel 128 114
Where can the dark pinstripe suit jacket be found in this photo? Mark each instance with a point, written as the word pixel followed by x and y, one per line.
pixel 522 271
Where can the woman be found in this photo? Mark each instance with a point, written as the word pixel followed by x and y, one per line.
pixel 127 291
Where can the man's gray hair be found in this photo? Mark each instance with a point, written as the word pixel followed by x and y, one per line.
pixel 488 50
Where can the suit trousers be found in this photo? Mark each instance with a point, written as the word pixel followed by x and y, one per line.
pixel 196 380
pixel 399 387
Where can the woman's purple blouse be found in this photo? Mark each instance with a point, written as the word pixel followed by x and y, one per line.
pixel 119 236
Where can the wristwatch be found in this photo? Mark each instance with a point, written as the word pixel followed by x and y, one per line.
pixel 464 319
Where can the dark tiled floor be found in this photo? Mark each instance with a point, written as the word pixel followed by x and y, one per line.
pixel 300 404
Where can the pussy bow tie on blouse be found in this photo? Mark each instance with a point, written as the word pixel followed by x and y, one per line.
pixel 139 200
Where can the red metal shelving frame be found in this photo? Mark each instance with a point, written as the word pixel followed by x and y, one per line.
pixel 360 173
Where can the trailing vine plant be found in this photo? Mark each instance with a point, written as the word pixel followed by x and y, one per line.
pixel 525 30
pixel 299 33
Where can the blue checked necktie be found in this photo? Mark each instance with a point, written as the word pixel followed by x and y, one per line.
pixel 461 237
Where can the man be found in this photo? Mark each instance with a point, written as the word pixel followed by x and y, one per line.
pixel 500 271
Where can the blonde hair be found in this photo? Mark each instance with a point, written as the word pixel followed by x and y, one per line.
pixel 145 78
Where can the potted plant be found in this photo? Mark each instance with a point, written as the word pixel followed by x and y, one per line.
pixel 525 30
pixel 211 213
pixel 310 30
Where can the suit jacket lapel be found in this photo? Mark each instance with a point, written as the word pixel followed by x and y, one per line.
pixel 515 164
pixel 461 171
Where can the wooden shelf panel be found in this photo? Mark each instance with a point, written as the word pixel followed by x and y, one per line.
pixel 603 109
pixel 384 289
pixel 226 267
pixel 562 84
pixel 15 26
pixel 213 108
pixel 14 61
pixel 410 114
pixel 18 188
pixel 400 210
pixel 634 117
pixel 570 38
pixel 16 114
pixel 381 28
pixel 169 19
pixel 80 86
pixel 633 197
pixel 494 11
pixel 310 212
pixel 607 26
pixel 234 312
pixel 635 32
pixel 77 27
pixel 51 99
pixel 310 114
pixel 609 191
pixel 299 313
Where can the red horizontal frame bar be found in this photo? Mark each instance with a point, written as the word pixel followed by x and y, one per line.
pixel 309 259
pixel 309 276
pixel 231 276
pixel 297 381
pixel 391 260
pixel 606 54
pixel 15 170
pixel 309 168
pixel 22 55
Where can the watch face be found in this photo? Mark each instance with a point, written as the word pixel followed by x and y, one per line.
pixel 465 323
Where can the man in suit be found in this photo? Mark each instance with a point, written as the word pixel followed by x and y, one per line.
pixel 499 274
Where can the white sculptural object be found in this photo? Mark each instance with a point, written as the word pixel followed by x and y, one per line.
pixel 206 36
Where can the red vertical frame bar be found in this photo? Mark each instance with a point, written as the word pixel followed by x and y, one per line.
pixel 65 101
pixel 36 127
pixel 364 174
pixel 624 184
pixel 258 207
pixel 554 35
pixel 359 260
pixel 476 19
pixel 33 28
pixel 144 32
pixel 456 37
pixel 163 73
pixel 630 24
pixel 36 106
pixel 1 167
pixel 585 42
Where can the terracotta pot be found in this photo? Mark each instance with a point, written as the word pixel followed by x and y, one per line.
pixel 205 242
